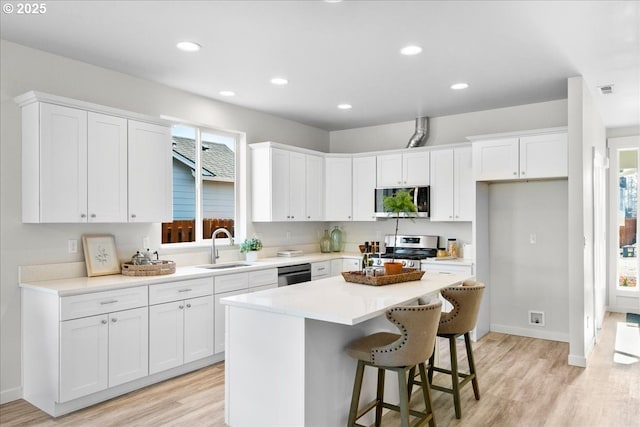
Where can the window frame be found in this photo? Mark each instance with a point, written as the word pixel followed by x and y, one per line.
pixel 240 186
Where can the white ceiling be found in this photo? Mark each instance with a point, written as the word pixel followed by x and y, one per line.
pixel 510 53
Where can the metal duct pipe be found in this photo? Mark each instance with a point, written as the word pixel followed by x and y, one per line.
pixel 419 138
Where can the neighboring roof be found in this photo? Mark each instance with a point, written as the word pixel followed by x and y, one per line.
pixel 218 160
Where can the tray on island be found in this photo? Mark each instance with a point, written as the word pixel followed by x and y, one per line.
pixel 407 275
pixel 157 268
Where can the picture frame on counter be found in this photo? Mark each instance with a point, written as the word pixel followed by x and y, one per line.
pixel 100 254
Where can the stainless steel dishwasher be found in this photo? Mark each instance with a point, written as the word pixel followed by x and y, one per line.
pixel 293 274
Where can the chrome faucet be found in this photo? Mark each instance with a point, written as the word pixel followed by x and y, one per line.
pixel 214 251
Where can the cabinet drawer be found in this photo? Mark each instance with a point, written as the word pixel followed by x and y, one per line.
pixel 436 267
pixel 84 305
pixel 263 277
pixel 231 282
pixel 320 269
pixel 174 291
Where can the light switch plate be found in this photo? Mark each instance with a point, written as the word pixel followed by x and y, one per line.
pixel 73 246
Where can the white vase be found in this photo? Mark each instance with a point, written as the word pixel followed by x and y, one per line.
pixel 251 256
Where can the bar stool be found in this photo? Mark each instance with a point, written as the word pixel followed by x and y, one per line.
pixel 397 352
pixel 459 321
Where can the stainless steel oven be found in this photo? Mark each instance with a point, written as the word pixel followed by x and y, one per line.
pixel 292 274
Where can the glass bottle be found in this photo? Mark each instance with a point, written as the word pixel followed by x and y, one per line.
pixel 452 248
pixel 325 242
pixel 336 240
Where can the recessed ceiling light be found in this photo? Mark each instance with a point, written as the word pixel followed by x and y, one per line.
pixel 188 46
pixel 227 93
pixel 344 106
pixel 459 86
pixel 411 50
pixel 279 81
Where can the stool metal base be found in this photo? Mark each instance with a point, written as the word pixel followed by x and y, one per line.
pixel 378 403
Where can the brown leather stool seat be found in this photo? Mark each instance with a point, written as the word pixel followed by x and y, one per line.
pixel 414 345
pixel 453 324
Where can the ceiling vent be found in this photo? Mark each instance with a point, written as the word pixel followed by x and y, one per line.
pixel 606 90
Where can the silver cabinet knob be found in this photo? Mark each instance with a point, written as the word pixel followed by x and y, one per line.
pixel 133 215
pixel 114 320
pixel 104 322
pixel 181 307
pixel 521 173
pixel 83 215
pixel 188 305
pixel 515 173
pixel 93 215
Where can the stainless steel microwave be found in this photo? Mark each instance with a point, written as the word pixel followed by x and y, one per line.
pixel 420 199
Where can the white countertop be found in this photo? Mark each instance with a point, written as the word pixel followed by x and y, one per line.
pixel 81 285
pixel 334 300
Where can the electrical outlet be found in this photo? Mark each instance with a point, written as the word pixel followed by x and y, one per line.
pixel 532 238
pixel 73 246
pixel 536 318
pixel 145 243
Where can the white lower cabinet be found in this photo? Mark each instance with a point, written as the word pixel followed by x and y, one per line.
pixel 320 270
pixel 102 351
pixel 180 331
pixel 336 267
pixel 351 264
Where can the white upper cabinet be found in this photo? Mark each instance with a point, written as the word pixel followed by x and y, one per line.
pixel 150 173
pixel 77 163
pixel 364 187
pixel 543 156
pixel 107 168
pixel 523 157
pixel 406 169
pixel 315 188
pixel 338 189
pixel 452 185
pixel 286 185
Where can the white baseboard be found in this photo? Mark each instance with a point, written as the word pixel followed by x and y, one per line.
pixel 531 333
pixel 579 361
pixel 10 395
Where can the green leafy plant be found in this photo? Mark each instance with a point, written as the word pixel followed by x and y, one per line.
pixel 253 244
pixel 400 203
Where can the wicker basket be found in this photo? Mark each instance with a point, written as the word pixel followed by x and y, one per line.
pixel 407 275
pixel 158 268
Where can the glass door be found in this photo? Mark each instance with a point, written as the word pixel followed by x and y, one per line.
pixel 624 159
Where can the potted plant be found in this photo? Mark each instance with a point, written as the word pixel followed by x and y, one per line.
pixel 250 247
pixel 400 203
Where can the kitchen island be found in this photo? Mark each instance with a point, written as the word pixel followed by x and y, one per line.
pixel 285 361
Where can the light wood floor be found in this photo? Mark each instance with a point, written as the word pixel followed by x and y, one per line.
pixel 523 382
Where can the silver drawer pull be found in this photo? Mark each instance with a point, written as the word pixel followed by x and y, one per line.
pixel 185 290
pixel 113 301
pixel 321 269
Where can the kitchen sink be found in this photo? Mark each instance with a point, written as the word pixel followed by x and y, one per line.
pixel 224 266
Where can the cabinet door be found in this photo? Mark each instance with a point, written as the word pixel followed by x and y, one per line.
pixel 543 156
pixel 150 173
pixel 219 323
pixel 315 188
pixel 166 336
pixel 415 168
pixel 364 187
pixel 83 356
pixel 63 164
pixel 464 200
pixel 495 159
pixel 107 168
pixel 297 186
pixel 338 200
pixel 336 267
pixel 389 170
pixel 128 345
pixel 351 264
pixel 198 328
pixel 280 185
pixel 442 185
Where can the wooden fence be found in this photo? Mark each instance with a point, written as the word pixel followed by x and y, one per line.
pixel 183 230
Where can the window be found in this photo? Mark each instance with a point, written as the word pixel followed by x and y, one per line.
pixel 204 184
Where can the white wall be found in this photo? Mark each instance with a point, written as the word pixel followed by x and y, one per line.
pixel 452 129
pixel 527 276
pixel 586 132
pixel 23 69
